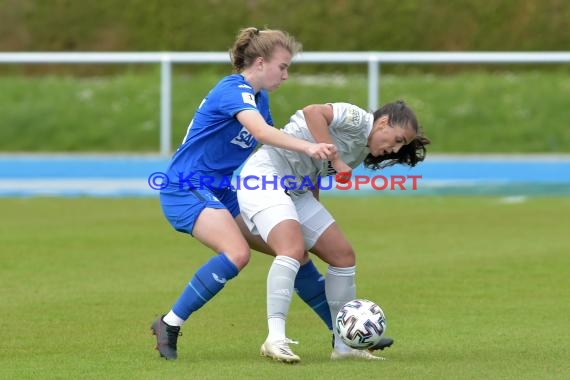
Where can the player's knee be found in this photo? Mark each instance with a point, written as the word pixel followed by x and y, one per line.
pixel 343 258
pixel 295 251
pixel 240 256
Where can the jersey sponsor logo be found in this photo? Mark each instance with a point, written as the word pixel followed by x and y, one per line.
pixel 353 117
pixel 248 98
pixel 243 139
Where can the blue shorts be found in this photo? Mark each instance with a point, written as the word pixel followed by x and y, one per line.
pixel 182 207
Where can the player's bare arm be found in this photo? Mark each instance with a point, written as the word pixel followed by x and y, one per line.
pixel 263 133
pixel 318 118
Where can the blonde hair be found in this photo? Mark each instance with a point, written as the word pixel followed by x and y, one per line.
pixel 251 43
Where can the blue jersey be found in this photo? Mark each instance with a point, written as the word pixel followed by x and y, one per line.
pixel 216 144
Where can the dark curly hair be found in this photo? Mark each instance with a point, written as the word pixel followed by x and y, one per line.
pixel 399 114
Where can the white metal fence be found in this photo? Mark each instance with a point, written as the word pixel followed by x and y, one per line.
pixel 372 59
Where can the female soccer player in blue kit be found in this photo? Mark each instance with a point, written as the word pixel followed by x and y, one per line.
pixel 199 200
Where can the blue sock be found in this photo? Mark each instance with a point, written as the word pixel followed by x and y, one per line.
pixel 206 283
pixel 310 286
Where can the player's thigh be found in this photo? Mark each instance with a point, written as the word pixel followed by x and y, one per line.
pixel 261 210
pixel 255 241
pixel 286 239
pixel 279 226
pixel 322 235
pixel 313 216
pixel 182 208
pixel 217 229
pixel 333 248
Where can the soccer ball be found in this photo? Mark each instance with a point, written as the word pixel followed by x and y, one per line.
pixel 360 323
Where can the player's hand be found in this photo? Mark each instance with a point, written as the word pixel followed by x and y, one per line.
pixel 322 151
pixel 344 172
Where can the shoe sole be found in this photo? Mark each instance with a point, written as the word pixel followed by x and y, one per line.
pixel 282 360
pixel 356 358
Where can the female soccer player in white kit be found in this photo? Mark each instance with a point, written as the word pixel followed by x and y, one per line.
pixel 292 220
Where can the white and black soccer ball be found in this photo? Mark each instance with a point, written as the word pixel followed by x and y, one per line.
pixel 360 323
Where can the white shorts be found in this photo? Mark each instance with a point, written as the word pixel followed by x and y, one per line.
pixel 263 208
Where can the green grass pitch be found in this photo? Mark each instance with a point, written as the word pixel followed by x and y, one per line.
pixel 473 287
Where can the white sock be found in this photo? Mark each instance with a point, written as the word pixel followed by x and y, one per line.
pixel 280 281
pixel 276 328
pixel 173 319
pixel 339 288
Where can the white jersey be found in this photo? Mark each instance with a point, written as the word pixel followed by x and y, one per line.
pixel 349 129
